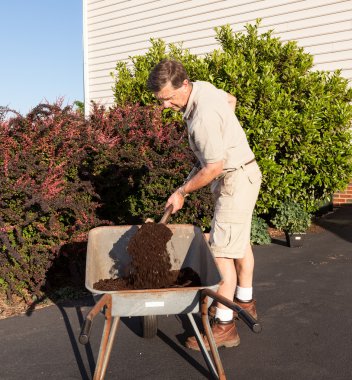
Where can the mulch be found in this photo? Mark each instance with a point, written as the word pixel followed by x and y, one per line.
pixel 150 263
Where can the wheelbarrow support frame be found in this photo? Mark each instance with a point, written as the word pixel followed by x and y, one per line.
pixel 109 333
pixel 111 323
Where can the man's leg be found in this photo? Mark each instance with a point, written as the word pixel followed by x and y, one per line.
pixel 245 268
pixel 229 276
pixel 223 328
pixel 244 289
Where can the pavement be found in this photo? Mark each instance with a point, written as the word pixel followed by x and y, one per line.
pixel 304 303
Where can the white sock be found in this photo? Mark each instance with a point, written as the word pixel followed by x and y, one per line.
pixel 244 294
pixel 225 315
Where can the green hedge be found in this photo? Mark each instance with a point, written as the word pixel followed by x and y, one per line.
pixel 298 121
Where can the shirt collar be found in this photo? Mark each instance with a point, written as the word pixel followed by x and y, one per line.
pixel 191 101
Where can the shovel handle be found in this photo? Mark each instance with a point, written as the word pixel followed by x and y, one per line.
pixel 166 215
pixel 193 172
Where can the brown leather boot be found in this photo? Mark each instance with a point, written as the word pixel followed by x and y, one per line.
pixel 225 334
pixel 249 306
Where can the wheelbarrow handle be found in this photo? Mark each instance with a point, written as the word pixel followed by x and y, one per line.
pixel 85 331
pixel 249 321
pixel 242 314
pixel 104 302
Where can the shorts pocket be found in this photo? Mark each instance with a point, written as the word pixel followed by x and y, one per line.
pixel 231 216
pixel 253 173
pixel 225 227
pixel 228 183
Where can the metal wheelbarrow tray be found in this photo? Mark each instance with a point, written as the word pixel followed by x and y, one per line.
pixel 107 257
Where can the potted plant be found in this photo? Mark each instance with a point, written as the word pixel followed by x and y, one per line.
pixel 294 220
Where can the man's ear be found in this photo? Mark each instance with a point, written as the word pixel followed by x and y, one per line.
pixel 185 84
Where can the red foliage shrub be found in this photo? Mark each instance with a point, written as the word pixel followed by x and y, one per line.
pixel 44 203
pixel 62 175
pixel 140 159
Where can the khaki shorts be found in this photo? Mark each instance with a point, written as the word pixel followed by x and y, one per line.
pixel 235 196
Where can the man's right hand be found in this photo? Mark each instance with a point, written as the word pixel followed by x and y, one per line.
pixel 176 200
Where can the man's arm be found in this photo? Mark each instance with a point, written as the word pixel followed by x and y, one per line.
pixel 201 179
pixel 232 101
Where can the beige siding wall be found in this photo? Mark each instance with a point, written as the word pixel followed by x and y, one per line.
pixel 117 29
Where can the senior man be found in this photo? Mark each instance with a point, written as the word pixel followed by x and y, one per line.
pixel 228 165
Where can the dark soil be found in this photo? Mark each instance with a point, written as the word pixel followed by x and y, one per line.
pixel 150 266
pixel 185 277
pixel 150 263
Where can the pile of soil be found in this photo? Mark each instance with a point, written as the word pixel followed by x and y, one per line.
pixel 150 266
pixel 150 263
pixel 185 277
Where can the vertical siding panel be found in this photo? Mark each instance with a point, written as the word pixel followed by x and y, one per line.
pixel 86 67
pixel 117 29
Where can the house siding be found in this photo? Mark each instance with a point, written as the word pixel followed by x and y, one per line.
pixel 115 30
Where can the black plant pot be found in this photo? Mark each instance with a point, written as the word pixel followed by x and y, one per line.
pixel 294 240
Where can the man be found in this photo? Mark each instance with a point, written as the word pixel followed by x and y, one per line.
pixel 228 164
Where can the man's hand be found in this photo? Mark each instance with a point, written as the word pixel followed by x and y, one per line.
pixel 176 200
pixel 201 179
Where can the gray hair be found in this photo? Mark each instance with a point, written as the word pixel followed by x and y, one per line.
pixel 167 70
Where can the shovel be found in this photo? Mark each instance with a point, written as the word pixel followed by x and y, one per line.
pixel 166 215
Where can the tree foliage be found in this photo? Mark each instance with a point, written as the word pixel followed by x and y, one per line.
pixel 298 121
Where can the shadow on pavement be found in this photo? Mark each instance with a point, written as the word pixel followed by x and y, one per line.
pixel 339 222
pixel 182 353
pixel 277 241
pixel 73 339
pixel 134 324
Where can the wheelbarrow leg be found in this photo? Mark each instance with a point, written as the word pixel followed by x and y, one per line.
pixel 107 338
pixel 211 340
pixel 242 314
pixel 107 341
pixel 203 349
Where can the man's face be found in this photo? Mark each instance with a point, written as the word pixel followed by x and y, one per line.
pixel 174 98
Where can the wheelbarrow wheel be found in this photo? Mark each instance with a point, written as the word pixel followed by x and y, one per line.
pixel 150 326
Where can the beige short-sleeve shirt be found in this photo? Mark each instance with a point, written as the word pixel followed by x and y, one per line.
pixel 214 132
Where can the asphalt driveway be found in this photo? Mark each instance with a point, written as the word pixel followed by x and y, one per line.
pixel 304 303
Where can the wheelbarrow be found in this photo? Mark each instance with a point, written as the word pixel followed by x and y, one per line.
pixel 107 257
